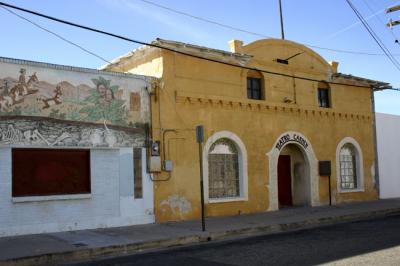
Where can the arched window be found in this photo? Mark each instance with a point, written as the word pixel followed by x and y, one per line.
pixel 349 166
pixel 223 170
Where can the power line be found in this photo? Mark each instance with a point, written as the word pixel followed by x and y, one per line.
pixel 57 35
pixel 374 36
pixel 250 32
pixel 170 49
pixel 205 19
pixel 383 23
pixel 64 39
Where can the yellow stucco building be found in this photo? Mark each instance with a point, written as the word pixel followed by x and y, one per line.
pixel 267 127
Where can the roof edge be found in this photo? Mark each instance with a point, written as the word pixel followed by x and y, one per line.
pixel 73 68
pixel 373 83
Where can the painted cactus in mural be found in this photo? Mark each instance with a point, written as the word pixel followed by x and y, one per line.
pixel 101 102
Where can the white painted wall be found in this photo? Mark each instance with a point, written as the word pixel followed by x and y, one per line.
pixel 106 206
pixel 388 130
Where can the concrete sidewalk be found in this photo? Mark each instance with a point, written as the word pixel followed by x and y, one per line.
pixel 51 248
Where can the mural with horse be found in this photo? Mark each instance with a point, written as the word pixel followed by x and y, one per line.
pixel 94 98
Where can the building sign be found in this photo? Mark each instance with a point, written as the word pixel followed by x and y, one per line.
pixel 292 137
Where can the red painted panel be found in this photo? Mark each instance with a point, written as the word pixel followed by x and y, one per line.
pixel 284 181
pixel 41 172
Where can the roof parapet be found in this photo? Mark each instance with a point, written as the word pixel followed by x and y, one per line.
pixel 236 46
pixel 334 65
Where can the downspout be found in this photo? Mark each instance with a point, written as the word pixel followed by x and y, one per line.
pixel 375 142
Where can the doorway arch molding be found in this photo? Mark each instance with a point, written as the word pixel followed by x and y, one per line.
pixel 301 141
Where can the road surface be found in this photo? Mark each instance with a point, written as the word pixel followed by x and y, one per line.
pixel 375 242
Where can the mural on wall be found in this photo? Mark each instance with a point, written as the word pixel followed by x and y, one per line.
pixel 52 132
pixel 97 98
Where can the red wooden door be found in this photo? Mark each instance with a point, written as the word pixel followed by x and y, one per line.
pixel 284 181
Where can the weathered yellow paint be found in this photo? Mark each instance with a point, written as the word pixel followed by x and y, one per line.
pixel 195 91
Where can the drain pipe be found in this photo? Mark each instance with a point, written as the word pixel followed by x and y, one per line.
pixel 375 142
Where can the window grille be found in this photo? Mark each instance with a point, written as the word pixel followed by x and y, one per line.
pixel 223 163
pixel 348 167
pixel 254 90
pixel 323 98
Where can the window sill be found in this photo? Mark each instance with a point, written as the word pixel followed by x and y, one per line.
pixel 222 200
pixel 256 100
pixel 351 190
pixel 51 198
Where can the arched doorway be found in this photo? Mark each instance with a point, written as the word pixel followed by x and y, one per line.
pixel 293 155
pixel 293 177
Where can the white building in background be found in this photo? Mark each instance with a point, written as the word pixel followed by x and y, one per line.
pixel 72 148
pixel 388 136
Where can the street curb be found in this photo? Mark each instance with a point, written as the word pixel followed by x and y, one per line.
pixel 126 249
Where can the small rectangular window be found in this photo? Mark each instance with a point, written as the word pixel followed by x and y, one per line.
pixel 135 101
pixel 323 98
pixel 254 90
pixel 45 172
pixel 138 180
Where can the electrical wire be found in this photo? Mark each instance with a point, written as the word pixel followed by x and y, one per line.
pixel 171 49
pixel 374 36
pixel 64 39
pixel 251 32
pixel 396 39
pixel 57 35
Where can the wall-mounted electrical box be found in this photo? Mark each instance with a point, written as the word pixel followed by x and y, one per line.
pixel 155 164
pixel 168 166
pixel 324 168
pixel 155 148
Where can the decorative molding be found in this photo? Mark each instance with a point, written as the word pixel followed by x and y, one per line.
pixel 359 165
pixel 305 146
pixel 45 133
pixel 242 153
pixel 262 106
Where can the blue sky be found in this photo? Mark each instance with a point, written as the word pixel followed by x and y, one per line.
pixel 325 23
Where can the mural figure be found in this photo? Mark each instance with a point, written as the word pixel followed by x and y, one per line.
pixel 55 100
pixel 102 105
pixel 104 90
pixel 22 81
pixel 20 90
pixel 24 88
pixel 96 102
pixel 4 89
pixel 5 102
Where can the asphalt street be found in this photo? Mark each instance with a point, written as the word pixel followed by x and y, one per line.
pixel 374 242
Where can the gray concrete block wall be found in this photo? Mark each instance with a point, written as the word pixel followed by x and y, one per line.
pixel 102 208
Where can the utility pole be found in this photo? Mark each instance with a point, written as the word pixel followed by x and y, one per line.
pixel 390 10
pixel 281 15
pixel 200 140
